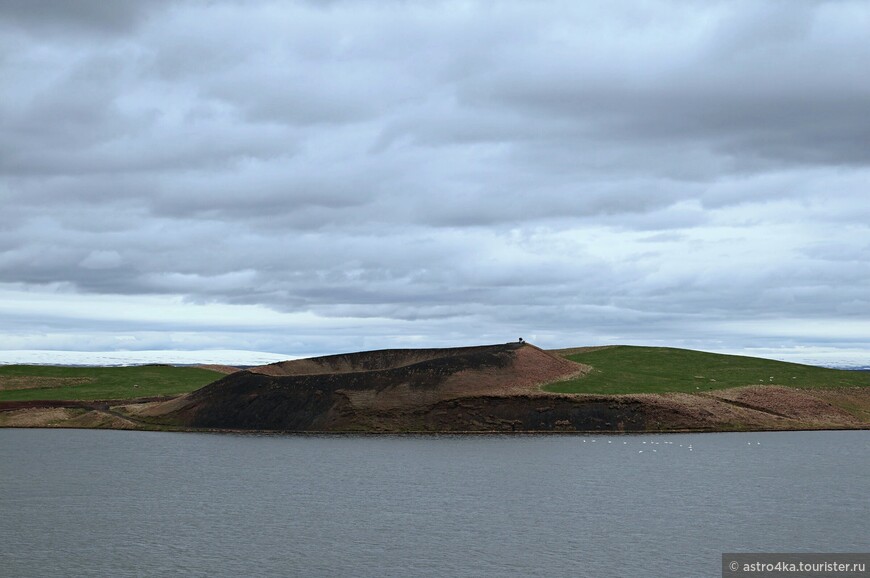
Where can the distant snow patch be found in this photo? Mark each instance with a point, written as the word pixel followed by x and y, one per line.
pixel 840 358
pixel 119 358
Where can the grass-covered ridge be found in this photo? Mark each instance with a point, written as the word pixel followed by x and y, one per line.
pixel 629 369
pixel 39 382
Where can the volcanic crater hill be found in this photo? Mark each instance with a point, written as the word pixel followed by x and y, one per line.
pixel 399 389
pixel 495 388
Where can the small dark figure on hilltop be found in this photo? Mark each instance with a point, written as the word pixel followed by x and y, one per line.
pixel 521 340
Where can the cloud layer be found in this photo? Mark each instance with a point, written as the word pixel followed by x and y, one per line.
pixel 382 173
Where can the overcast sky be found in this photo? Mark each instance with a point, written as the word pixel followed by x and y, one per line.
pixel 316 177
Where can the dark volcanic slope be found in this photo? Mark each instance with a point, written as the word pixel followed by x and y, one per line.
pixel 366 390
pixel 380 360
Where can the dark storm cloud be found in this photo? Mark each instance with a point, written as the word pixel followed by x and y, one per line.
pixel 591 172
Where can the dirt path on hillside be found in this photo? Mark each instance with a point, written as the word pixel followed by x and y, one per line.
pixel 74 413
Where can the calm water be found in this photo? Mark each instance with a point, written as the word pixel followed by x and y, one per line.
pixel 103 503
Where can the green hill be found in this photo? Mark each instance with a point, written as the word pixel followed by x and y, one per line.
pixel 39 382
pixel 629 369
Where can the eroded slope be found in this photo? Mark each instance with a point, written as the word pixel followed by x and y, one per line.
pixel 348 391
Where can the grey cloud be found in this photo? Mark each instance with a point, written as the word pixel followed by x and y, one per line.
pixel 437 169
pixel 761 97
pixel 81 15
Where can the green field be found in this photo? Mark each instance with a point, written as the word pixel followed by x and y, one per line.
pixel 38 382
pixel 628 369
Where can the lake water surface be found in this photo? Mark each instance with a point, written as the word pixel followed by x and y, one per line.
pixel 112 503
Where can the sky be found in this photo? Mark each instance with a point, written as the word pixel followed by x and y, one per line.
pixel 305 178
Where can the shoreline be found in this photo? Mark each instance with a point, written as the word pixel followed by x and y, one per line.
pixel 780 409
pixel 428 433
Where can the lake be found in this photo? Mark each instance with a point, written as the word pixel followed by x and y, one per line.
pixel 115 503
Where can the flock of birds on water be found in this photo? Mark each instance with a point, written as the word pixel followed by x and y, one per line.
pixel 655 450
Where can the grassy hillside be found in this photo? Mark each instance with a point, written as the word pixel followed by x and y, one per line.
pixel 627 369
pixel 36 382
